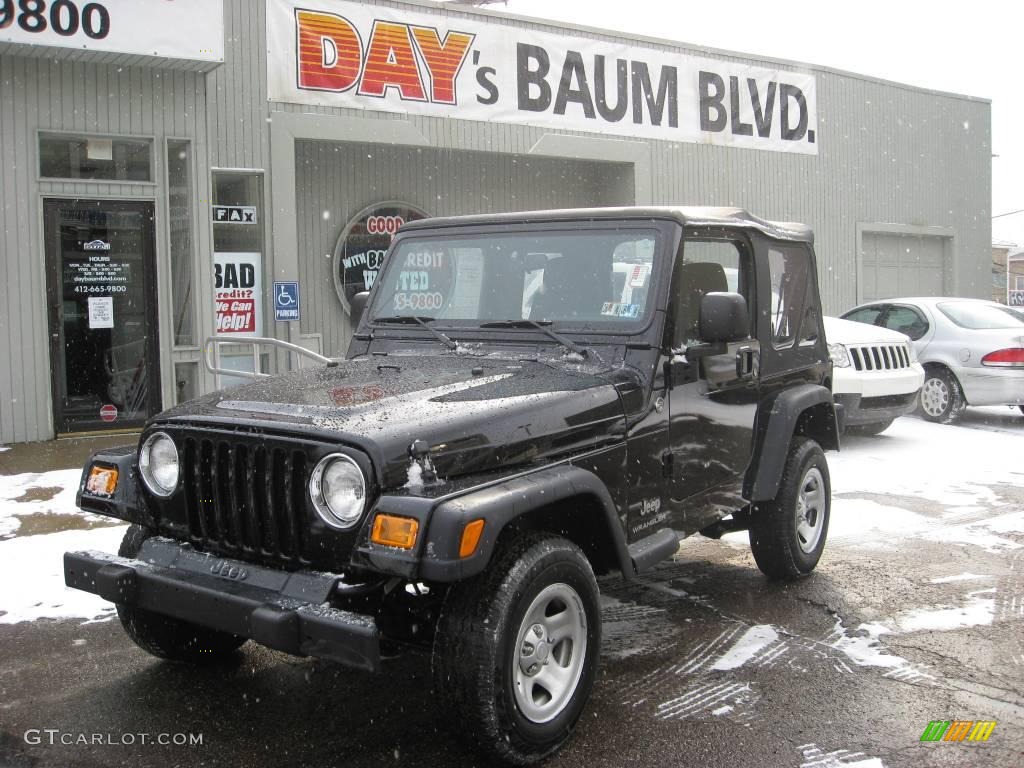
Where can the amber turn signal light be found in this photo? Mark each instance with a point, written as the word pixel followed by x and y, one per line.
pixel 470 538
pixel 393 531
pixel 102 481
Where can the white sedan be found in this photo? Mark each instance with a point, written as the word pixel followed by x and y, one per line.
pixel 972 350
pixel 875 376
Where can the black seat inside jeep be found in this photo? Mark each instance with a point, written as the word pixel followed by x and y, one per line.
pixel 575 287
pixel 694 280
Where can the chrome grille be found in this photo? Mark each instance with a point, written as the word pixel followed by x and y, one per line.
pixel 245 498
pixel 879 357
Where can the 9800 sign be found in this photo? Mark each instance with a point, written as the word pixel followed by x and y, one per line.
pixel 62 16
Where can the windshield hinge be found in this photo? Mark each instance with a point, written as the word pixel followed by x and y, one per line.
pixel 668 464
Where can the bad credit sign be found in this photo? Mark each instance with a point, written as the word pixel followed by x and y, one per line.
pixel 345 54
pixel 238 295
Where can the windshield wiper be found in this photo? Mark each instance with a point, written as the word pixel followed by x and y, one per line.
pixel 424 321
pixel 541 326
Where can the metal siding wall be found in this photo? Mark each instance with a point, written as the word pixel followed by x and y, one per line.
pixel 336 180
pixel 887 154
pixel 46 94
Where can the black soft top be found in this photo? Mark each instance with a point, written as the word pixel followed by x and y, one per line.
pixel 704 216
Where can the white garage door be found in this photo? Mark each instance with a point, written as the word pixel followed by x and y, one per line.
pixel 902 265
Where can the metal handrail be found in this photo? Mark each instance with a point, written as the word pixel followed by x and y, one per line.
pixel 214 343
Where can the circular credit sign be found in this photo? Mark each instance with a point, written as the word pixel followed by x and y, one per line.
pixel 359 254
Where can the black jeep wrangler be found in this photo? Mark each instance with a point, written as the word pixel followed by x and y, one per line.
pixel 528 400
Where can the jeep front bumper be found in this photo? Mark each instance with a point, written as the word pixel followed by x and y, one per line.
pixel 286 611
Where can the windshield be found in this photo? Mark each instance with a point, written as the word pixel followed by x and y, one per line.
pixel 981 317
pixel 578 278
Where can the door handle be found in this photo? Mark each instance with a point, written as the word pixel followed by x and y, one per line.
pixel 744 362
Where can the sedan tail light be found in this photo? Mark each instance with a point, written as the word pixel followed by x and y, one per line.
pixel 1005 358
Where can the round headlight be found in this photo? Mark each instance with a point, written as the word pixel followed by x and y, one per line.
pixel 158 462
pixel 338 491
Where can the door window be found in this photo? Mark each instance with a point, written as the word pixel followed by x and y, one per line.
pixel 706 266
pixel 789 271
pixel 907 321
pixel 866 315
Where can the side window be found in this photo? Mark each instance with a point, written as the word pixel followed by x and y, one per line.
pixel 866 315
pixel 789 271
pixel 907 321
pixel 706 266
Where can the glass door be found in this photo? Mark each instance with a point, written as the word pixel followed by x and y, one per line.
pixel 101 290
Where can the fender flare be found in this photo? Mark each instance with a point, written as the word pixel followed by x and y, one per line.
pixel 777 421
pixel 504 502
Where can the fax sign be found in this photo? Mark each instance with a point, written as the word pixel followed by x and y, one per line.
pixel 286 302
pixel 234 214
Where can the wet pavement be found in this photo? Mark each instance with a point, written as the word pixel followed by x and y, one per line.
pixel 914 614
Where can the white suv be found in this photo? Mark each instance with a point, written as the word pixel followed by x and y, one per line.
pixel 875 375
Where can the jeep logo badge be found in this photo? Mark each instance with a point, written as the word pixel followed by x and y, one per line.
pixel 229 571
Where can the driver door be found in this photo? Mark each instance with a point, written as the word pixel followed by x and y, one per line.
pixel 711 410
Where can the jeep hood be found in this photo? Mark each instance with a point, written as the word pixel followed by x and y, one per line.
pixel 476 414
pixel 839 331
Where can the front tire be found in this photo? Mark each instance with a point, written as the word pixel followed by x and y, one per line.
pixel 941 400
pixel 516 648
pixel 787 534
pixel 164 636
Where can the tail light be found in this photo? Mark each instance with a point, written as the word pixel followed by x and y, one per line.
pixel 1005 358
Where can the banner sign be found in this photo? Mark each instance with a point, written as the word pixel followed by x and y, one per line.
pixel 191 30
pixel 345 54
pixel 237 286
pixel 364 241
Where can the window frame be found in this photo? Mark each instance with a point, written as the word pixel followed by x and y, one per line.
pixel 746 275
pixel 46 132
pixel 797 338
pixel 666 231
pixel 889 308
pixel 882 309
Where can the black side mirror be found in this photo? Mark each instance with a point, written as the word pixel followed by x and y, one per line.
pixel 356 306
pixel 723 318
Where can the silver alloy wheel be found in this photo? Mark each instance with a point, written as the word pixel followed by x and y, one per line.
pixel 810 510
pixel 934 397
pixel 550 648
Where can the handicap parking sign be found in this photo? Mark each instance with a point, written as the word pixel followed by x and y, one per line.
pixel 286 301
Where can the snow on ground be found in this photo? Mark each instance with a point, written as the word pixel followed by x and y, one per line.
pixel 814 756
pixel 751 643
pixel 959 577
pixel 930 481
pixel 32 566
pixel 975 611
pixel 36 493
pixel 32 576
pixel 952 465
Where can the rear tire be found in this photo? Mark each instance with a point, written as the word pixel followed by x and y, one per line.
pixel 941 400
pixel 787 534
pixel 516 649
pixel 869 430
pixel 164 636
